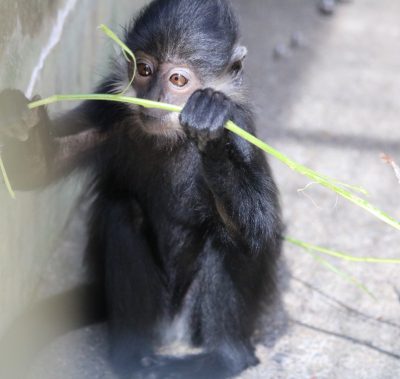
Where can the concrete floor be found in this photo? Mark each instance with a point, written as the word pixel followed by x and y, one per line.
pixel 332 104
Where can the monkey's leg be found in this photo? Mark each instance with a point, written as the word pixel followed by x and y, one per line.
pixel 223 318
pixel 133 283
pixel 229 304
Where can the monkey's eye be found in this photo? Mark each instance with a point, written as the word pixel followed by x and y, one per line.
pixel 144 69
pixel 178 80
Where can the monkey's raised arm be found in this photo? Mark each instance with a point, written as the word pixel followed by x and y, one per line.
pixel 37 150
pixel 236 172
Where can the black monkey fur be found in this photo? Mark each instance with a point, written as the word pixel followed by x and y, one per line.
pixel 181 227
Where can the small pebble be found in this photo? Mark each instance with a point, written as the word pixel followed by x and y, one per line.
pixel 281 51
pixel 327 7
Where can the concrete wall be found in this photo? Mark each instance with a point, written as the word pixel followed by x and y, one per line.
pixel 31 226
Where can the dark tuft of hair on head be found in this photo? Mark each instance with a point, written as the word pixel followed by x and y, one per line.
pixel 202 33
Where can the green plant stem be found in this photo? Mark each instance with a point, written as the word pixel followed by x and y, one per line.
pixel 348 278
pixel 126 51
pixel 331 184
pixel 340 255
pixel 6 180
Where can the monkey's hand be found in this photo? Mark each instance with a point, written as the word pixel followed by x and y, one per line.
pixel 16 119
pixel 24 140
pixel 204 116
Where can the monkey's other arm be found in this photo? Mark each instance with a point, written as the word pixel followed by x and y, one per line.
pixel 35 150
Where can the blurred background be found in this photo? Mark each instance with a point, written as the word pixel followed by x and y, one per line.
pixel 325 84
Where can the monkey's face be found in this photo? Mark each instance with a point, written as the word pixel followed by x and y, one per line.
pixel 167 82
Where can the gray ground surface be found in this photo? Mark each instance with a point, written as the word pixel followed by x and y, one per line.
pixel 334 105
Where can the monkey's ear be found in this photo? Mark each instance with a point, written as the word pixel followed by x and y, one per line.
pixel 238 56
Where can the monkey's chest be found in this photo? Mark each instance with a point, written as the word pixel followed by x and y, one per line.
pixel 171 207
pixel 174 209
pixel 172 193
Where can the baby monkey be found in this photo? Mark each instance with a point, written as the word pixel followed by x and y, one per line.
pixel 184 227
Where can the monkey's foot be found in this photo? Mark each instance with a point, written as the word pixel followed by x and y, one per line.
pixel 202 366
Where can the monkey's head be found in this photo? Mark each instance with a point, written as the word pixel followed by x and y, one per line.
pixel 181 46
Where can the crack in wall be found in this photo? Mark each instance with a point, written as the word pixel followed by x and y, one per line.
pixel 54 39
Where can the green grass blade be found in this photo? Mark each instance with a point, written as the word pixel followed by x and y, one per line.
pixel 106 97
pixel 344 275
pixel 315 176
pixel 6 180
pixel 330 184
pixel 338 254
pixel 129 56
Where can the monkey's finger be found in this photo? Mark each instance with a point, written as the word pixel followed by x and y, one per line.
pixel 202 110
pixel 32 116
pixel 185 117
pixel 193 115
pixel 220 110
pixel 191 104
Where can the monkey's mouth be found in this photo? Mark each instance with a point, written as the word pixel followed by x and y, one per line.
pixel 152 123
pixel 159 123
pixel 146 118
